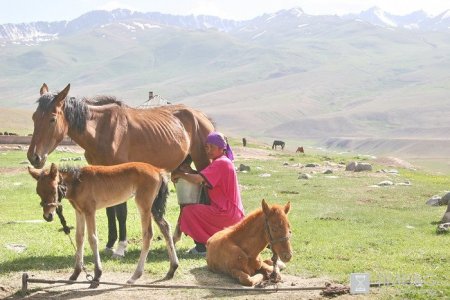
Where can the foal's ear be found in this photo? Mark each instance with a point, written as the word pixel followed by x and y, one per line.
pixel 265 207
pixel 62 96
pixel 287 207
pixel 34 173
pixel 44 89
pixel 53 171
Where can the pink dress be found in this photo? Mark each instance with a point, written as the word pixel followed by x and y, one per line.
pixel 201 221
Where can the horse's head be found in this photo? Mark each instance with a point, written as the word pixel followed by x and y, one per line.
pixel 50 125
pixel 278 229
pixel 47 189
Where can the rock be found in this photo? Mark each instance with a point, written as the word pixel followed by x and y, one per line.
pixel 434 201
pixel 265 175
pixel 312 165
pixel 328 171
pixel 304 176
pixel 386 183
pixel 363 167
pixel 406 183
pixel 351 166
pixel 445 199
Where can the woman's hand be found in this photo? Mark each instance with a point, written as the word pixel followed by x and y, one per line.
pixel 175 175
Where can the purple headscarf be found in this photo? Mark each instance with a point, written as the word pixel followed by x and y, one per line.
pixel 218 139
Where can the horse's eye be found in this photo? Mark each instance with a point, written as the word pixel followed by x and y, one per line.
pixel 53 120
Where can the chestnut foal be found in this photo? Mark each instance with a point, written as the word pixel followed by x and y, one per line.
pixel 236 249
pixel 91 188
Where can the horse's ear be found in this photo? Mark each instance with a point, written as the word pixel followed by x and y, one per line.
pixel 44 89
pixel 265 207
pixel 62 96
pixel 53 171
pixel 287 207
pixel 34 173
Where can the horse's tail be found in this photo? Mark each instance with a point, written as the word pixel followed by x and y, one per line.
pixel 159 205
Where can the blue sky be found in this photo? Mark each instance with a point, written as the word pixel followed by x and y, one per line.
pixel 19 11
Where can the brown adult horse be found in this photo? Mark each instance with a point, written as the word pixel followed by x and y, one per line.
pixel 236 249
pixel 94 187
pixel 112 133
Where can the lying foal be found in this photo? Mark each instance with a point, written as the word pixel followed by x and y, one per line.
pixel 92 188
pixel 236 249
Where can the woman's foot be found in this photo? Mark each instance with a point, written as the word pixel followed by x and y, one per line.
pixel 199 249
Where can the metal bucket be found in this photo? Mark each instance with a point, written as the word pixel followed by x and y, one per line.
pixel 187 193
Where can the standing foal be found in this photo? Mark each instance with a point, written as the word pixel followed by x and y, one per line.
pixel 92 188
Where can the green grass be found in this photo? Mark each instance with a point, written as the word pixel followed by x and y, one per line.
pixel 340 225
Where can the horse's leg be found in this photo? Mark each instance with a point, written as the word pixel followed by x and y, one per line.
pixel 147 234
pixel 121 214
pixel 93 241
pixel 165 230
pixel 246 279
pixel 79 239
pixel 112 229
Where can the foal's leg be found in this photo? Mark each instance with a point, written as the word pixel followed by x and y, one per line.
pixel 93 241
pixel 165 230
pixel 246 279
pixel 147 235
pixel 243 266
pixel 79 239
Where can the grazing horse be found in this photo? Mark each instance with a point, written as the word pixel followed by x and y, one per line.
pixel 112 133
pixel 236 249
pixel 94 187
pixel 300 150
pixel 278 143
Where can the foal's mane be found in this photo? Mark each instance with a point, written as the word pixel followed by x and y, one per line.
pixel 247 220
pixel 76 111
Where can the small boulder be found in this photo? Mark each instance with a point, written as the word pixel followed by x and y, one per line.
pixel 363 167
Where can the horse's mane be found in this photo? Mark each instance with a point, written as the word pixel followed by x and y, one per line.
pixel 76 111
pixel 75 171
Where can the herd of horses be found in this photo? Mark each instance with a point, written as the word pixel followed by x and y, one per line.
pixel 129 150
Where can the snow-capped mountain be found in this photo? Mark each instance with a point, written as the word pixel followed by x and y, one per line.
pixel 296 17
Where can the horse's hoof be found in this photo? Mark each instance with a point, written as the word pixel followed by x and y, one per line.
pixel 275 277
pixel 94 284
pixel 131 281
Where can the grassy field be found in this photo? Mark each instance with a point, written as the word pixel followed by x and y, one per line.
pixel 341 224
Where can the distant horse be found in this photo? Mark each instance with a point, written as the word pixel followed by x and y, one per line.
pixel 112 133
pixel 94 187
pixel 300 150
pixel 236 249
pixel 278 143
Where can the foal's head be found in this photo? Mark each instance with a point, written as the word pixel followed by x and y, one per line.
pixel 278 229
pixel 47 189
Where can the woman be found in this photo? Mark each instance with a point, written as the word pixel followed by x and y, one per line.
pixel 201 221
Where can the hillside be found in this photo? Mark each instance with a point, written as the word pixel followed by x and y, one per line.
pixel 289 75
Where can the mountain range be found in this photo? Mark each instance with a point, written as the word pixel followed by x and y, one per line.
pixel 287 75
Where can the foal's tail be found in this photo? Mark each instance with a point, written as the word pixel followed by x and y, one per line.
pixel 159 205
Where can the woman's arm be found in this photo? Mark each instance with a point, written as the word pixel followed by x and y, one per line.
pixel 192 178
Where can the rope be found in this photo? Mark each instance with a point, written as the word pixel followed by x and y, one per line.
pixel 171 286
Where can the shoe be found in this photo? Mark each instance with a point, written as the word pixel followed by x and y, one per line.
pixel 121 249
pixel 194 251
